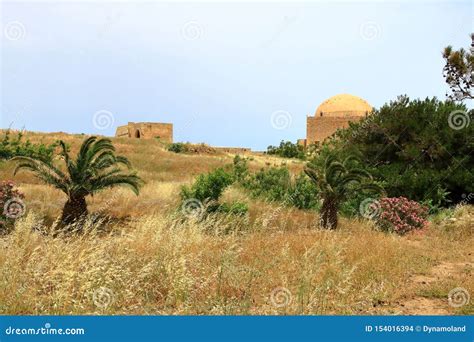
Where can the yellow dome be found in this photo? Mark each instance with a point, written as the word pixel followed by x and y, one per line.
pixel 343 105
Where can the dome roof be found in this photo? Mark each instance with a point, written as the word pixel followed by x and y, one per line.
pixel 344 105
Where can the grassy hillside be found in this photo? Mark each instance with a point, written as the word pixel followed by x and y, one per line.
pixel 275 261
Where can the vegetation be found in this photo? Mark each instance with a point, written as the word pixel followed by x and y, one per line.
pixel 163 266
pixel 287 149
pixel 10 148
pixel 336 181
pixel 177 147
pixel 235 208
pixel 276 184
pixel 272 183
pixel 156 263
pixel 415 148
pixel 96 168
pixel 240 169
pixel 458 72
pixel 207 189
pixel 400 215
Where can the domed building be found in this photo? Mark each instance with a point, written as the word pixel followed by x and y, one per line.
pixel 336 112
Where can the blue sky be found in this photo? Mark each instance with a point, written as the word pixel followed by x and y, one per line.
pixel 220 72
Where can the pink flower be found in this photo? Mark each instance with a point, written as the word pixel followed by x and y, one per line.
pixel 401 215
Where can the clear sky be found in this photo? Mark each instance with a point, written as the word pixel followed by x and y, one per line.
pixel 227 74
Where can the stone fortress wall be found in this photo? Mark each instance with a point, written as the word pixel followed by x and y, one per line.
pixel 319 128
pixel 146 130
pixel 334 113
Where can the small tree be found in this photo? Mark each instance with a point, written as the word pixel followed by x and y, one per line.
pixel 16 146
pixel 96 168
pixel 203 195
pixel 459 72
pixel 420 149
pixel 336 181
pixel 287 149
pixel 208 187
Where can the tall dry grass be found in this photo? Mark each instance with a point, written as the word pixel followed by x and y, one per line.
pixel 274 261
pixel 161 264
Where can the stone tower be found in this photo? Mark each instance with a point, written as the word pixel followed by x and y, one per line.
pixel 336 112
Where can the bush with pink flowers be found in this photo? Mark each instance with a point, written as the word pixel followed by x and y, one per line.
pixel 11 205
pixel 400 215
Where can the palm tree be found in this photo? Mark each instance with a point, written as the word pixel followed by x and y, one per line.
pixel 336 181
pixel 96 168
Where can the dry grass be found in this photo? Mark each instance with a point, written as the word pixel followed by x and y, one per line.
pixel 272 262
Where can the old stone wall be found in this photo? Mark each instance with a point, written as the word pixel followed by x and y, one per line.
pixel 319 128
pixel 235 150
pixel 122 131
pixel 146 130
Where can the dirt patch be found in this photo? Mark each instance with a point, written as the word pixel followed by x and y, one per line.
pixel 419 305
pixel 424 306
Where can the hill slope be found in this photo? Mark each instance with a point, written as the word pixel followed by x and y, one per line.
pixel 274 261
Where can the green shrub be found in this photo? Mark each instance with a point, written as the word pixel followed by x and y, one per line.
pixel 276 184
pixel 208 187
pixel 177 147
pixel 16 147
pixel 287 150
pixel 235 208
pixel 240 169
pixel 202 197
pixel 420 149
pixel 351 207
pixel 303 194
pixel 272 183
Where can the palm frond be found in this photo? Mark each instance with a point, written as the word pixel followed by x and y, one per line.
pixel 361 172
pixel 104 160
pixel 124 160
pixel 329 160
pixel 349 159
pixel 334 170
pixel 71 167
pixel 132 181
pixel 311 174
pixel 43 170
pixel 89 152
pixel 373 187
